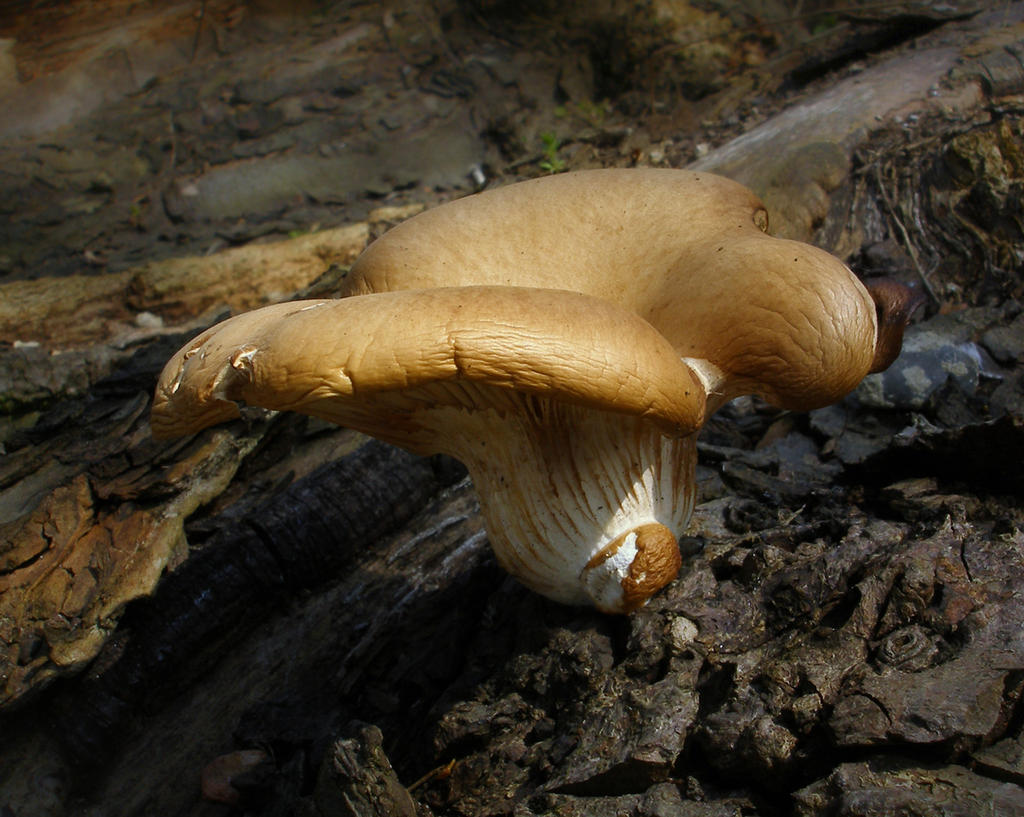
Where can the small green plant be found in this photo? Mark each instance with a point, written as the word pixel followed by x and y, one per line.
pixel 824 24
pixel 551 163
pixel 589 111
pixel 298 232
pixel 593 112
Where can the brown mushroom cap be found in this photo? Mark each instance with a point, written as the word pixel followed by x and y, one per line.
pixel 615 234
pixel 685 251
pixel 780 319
pixel 381 363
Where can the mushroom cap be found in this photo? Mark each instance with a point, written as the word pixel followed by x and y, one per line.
pixel 612 233
pixel 779 318
pixel 381 363
pixel 685 251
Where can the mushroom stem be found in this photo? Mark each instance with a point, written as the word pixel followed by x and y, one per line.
pixel 581 505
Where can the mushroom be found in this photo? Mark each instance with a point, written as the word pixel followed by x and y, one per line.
pixel 565 338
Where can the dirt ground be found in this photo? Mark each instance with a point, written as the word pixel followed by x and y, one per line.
pixel 280 617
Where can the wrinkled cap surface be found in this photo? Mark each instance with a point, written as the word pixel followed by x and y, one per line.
pixel 685 251
pixel 379 362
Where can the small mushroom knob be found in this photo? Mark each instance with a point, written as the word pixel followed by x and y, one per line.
pixel 632 568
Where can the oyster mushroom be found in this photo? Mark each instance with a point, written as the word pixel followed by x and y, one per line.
pixel 565 338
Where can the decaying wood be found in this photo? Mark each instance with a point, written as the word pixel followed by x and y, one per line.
pixel 94 307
